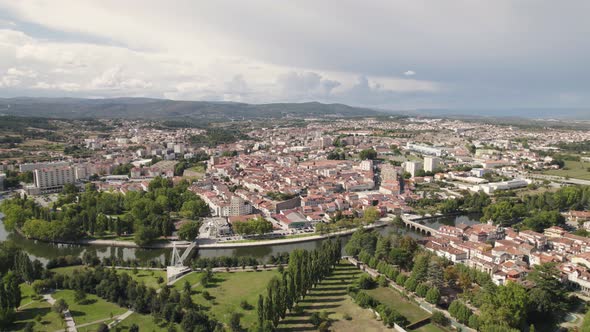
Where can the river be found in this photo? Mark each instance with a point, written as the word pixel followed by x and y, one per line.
pixel 45 251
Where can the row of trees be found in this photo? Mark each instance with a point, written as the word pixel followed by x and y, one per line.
pixel 305 270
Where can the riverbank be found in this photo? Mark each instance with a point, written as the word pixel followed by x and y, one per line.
pixel 220 245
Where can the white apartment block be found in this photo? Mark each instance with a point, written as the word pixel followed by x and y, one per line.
pixel 413 167
pixel 53 178
pixel 431 163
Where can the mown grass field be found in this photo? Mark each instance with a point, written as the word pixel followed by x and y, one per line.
pixel 331 296
pixel 430 328
pixel 92 309
pixel 38 312
pixel 148 277
pixel 572 169
pixel 228 289
pixel 395 300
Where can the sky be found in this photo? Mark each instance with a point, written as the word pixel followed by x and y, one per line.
pixel 387 54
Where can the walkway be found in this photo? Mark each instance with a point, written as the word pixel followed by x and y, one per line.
pixel 120 318
pixel 71 325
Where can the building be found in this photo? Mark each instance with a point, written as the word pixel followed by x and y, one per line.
pixel 33 166
pixel 413 167
pixel 53 179
pixel 431 163
pixel 424 149
pixel 239 207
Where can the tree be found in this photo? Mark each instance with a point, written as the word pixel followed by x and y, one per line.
pixel 439 318
pixel 60 306
pixel 234 322
pixel 370 154
pixel 133 328
pixel 549 296
pixel 79 296
pixel 433 295
pixel 189 231
pixel 102 327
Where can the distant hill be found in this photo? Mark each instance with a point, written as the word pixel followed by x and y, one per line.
pixel 522 113
pixel 158 109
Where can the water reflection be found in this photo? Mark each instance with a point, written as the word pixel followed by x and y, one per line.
pixel 45 251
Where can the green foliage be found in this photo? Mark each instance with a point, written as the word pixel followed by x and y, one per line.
pixel 439 318
pixel 361 239
pixel 217 136
pixel 279 196
pixel 433 295
pixel 258 226
pixel 189 231
pixel 370 154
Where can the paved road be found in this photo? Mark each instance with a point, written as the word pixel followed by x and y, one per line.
pixel 71 325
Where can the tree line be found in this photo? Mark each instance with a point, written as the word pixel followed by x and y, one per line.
pixel 305 270
pixel 501 308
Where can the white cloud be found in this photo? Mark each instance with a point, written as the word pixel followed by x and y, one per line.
pixel 409 73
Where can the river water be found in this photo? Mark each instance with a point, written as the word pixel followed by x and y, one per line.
pixel 45 251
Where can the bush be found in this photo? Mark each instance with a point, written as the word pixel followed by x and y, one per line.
pixel 401 279
pixel 410 284
pixel 422 289
pixel 315 319
pixel 206 295
pixel 347 316
pixel 366 282
pixel 439 318
pixel 245 305
pixel 473 322
pixel 382 281
pixel 433 295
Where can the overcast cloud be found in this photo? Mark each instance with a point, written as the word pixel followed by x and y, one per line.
pixel 388 54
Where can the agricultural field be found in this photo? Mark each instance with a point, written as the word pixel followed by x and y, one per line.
pixel 572 169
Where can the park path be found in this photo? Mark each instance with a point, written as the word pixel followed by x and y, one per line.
pixel 71 325
pixel 120 318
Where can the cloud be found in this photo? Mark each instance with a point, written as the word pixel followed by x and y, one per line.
pixel 115 79
pixel 225 50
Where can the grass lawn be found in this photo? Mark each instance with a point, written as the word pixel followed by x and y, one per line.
pixel 144 322
pixel 573 169
pixel 95 308
pixel 430 328
pixel 27 293
pixel 68 269
pixel 395 300
pixel 50 321
pixel 331 296
pixel 148 277
pixel 193 278
pixel 228 289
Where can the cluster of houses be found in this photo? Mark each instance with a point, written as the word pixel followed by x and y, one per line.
pixel 509 255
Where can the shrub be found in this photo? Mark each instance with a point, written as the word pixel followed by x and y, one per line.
pixel 245 305
pixel 422 289
pixel 410 284
pixel 439 318
pixel 366 282
pixel 433 295
pixel 401 279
